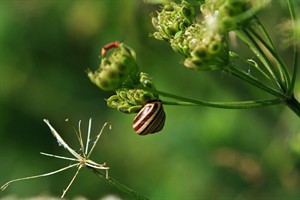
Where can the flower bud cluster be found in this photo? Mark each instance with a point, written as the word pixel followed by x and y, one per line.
pixel 172 20
pixel 119 72
pixel 132 100
pixel 203 48
pixel 224 15
pixel 202 43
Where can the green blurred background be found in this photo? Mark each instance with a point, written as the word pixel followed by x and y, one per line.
pixel 202 153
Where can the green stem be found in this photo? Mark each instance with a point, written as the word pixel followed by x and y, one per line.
pixel 225 105
pixel 281 67
pixel 249 62
pixel 293 104
pixel 262 56
pixel 118 185
pixel 264 31
pixel 251 80
pixel 247 40
pixel 295 64
pixel 295 69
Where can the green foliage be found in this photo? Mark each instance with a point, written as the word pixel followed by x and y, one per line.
pixel 46 46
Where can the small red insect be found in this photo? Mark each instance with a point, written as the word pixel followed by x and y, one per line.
pixel 109 46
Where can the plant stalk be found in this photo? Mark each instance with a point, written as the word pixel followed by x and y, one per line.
pixel 118 185
pixel 294 105
pixel 225 105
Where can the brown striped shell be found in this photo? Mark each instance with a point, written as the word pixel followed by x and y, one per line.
pixel 150 119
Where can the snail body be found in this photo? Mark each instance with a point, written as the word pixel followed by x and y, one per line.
pixel 150 119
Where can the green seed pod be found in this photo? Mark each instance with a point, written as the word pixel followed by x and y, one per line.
pixel 188 11
pixel 168 8
pixel 200 52
pixel 192 63
pixel 214 47
pixel 146 81
pixel 118 70
pixel 126 51
pixel 170 31
pixel 139 96
pixel 199 64
pixel 143 96
pixel 104 80
pixel 113 101
pixel 121 105
pixel 172 19
pixel 178 35
pixel 155 22
pixel 158 36
pixel 130 100
pixel 184 24
pixel 177 48
pixel 134 109
pixel 175 27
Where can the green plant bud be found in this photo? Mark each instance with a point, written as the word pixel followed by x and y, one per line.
pixel 118 70
pixel 194 42
pixel 225 15
pixel 123 106
pixel 155 22
pixel 134 109
pixel 202 65
pixel 175 27
pixel 142 97
pixel 177 48
pixel 215 55
pixel 123 94
pixel 193 63
pixel 158 36
pixel 146 81
pixel 136 96
pixel 173 15
pixel 178 34
pixel 188 11
pixel 172 19
pixel 168 7
pixel 119 67
pixel 104 80
pixel 170 31
pixel 163 33
pixel 200 52
pixel 214 47
pixel 130 100
pixel 131 96
pixel 104 62
pixel 113 101
pixel 125 50
pixel 184 24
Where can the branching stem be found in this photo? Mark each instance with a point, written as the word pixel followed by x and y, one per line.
pixel 118 185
